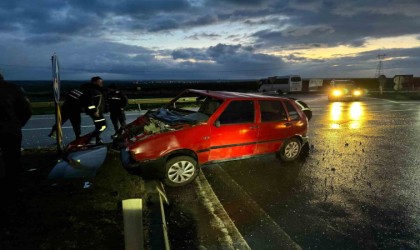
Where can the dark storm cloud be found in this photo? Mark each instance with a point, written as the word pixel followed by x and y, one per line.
pixel 203 20
pixel 163 24
pixel 46 39
pixel 80 30
pixel 186 54
pixel 228 61
pixel 203 35
pixel 342 23
pixel 397 61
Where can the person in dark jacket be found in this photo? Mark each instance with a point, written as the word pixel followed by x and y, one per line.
pixel 15 111
pixel 94 104
pixel 117 102
pixel 71 109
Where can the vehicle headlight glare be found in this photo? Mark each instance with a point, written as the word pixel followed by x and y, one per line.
pixel 357 92
pixel 336 92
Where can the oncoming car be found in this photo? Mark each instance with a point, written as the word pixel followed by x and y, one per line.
pixel 174 141
pixel 343 89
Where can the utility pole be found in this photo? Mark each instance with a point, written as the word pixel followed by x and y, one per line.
pixel 380 68
pixel 380 74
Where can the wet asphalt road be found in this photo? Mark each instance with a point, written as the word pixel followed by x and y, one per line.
pixel 35 133
pixel 359 187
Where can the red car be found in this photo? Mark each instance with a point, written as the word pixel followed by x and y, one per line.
pixel 201 126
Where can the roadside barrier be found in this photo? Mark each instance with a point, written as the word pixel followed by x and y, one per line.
pixel 133 219
pixel 156 201
pixel 131 101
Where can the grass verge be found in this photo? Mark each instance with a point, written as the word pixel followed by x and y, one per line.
pixel 62 214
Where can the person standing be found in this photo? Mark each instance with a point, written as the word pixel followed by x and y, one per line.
pixel 117 102
pixel 93 100
pixel 71 109
pixel 15 111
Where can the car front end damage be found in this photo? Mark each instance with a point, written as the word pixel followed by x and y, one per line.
pixel 141 142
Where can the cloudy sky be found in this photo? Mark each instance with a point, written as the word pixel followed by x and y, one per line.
pixel 208 39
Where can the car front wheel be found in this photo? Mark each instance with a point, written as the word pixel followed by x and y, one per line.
pixel 290 150
pixel 180 171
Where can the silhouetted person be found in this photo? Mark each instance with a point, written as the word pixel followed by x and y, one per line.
pixel 94 105
pixel 117 102
pixel 15 111
pixel 71 109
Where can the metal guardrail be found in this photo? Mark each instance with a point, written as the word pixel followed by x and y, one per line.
pixel 156 201
pixel 163 198
pixel 131 101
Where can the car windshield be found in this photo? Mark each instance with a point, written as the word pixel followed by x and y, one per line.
pixel 189 107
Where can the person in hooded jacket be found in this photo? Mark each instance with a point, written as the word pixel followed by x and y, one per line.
pixel 93 100
pixel 117 101
pixel 15 111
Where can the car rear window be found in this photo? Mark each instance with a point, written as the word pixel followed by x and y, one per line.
pixel 272 111
pixel 293 114
pixel 238 112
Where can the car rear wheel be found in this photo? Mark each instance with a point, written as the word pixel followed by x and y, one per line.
pixel 180 171
pixel 290 150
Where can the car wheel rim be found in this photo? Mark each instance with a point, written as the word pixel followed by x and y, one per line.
pixel 181 171
pixel 291 150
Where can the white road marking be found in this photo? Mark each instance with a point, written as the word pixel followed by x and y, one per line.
pixel 232 237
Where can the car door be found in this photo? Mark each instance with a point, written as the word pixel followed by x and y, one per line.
pixel 234 133
pixel 274 126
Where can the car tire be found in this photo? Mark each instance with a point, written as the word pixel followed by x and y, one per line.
pixel 290 150
pixel 180 171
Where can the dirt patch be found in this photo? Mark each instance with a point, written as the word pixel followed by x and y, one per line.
pixel 65 214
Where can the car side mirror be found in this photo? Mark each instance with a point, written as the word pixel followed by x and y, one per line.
pixel 217 124
pixel 308 113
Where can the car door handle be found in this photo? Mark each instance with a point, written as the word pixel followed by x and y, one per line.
pixel 253 127
pixel 287 124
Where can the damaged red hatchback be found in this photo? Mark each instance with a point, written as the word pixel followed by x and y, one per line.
pixel 200 126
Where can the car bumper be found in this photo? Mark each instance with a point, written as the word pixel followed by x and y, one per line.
pixel 152 167
pixel 345 97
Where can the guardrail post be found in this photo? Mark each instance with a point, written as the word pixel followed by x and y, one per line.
pixel 133 224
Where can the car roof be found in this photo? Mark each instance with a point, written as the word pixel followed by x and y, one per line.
pixel 235 95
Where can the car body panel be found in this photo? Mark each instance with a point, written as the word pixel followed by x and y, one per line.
pixel 157 136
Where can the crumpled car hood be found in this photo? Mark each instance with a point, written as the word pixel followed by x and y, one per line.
pixel 171 117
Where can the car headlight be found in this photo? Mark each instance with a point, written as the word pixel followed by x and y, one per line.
pixel 337 92
pixel 357 92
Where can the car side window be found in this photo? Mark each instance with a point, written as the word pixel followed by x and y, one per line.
pixel 238 112
pixel 272 111
pixel 293 114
